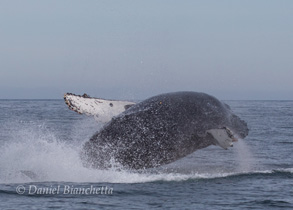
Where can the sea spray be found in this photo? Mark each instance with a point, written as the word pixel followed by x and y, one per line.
pixel 244 157
pixel 35 152
pixel 38 155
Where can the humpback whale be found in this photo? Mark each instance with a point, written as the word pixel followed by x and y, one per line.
pixel 156 131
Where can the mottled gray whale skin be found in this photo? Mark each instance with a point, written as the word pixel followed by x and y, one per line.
pixel 160 130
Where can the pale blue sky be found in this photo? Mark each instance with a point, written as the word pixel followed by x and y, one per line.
pixel 135 49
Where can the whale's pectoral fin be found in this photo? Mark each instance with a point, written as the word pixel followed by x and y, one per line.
pixel 222 137
pixel 103 110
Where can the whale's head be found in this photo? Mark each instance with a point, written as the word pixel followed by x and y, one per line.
pixel 231 128
pixel 238 126
pixel 224 137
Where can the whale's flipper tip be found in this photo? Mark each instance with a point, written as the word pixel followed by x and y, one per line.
pixel 103 110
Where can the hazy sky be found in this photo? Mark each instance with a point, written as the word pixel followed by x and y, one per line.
pixel 135 49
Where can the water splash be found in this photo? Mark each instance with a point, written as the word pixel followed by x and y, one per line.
pixel 35 153
pixel 244 157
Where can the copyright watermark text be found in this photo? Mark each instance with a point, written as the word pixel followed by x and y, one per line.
pixel 63 190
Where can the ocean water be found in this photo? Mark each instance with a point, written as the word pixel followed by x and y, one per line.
pixel 40 168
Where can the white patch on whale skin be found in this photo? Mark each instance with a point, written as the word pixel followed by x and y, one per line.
pixel 222 138
pixel 103 110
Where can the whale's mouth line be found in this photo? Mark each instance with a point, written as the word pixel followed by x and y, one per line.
pixel 231 134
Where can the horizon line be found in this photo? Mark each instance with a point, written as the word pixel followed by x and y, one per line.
pixel 56 99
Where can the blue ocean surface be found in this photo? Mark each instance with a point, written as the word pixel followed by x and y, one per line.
pixel 40 166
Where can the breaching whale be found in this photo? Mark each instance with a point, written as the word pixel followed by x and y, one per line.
pixel 156 131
